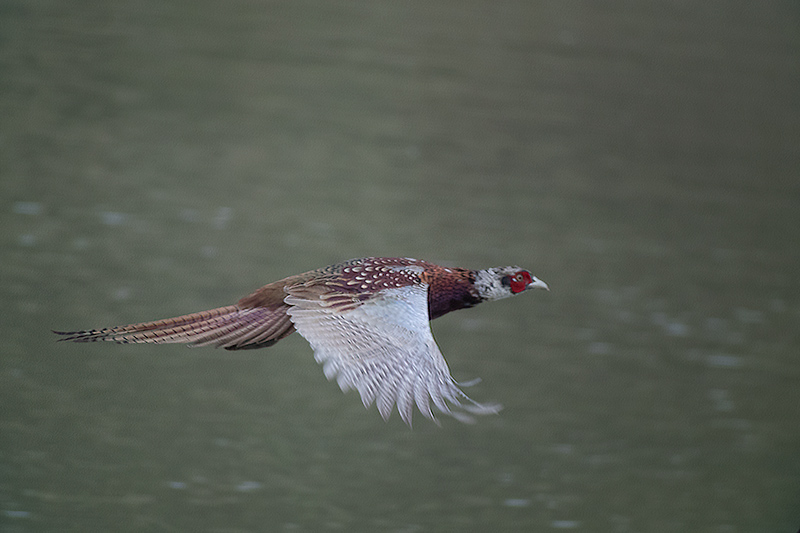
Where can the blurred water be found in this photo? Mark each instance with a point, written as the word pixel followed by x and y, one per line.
pixel 162 158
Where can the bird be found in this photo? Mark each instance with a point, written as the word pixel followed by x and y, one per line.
pixel 367 321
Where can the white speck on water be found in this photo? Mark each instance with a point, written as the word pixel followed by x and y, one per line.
pixel 113 218
pixel 677 329
pixel 27 208
pixel 16 514
pixel 564 449
pixel 721 400
pixel 564 524
pixel 177 485
pixel 121 293
pixel 223 217
pixel 208 251
pixel 776 305
pixel 599 348
pixel 671 327
pixel 749 316
pixel 189 215
pixel 517 502
pixel 724 361
pixel 27 240
pixel 247 486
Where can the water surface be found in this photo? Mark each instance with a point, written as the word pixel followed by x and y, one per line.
pixel 162 158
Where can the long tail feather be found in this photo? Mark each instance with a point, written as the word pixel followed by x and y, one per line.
pixel 231 327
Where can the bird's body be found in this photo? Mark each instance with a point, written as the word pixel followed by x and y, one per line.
pixel 367 321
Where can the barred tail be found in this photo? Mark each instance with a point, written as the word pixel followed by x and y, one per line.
pixel 230 327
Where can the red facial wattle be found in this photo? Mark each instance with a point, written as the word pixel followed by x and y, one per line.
pixel 519 281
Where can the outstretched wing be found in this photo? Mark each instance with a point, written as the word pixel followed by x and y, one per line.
pixel 230 327
pixel 382 346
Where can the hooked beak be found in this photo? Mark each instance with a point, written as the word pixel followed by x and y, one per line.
pixel 537 284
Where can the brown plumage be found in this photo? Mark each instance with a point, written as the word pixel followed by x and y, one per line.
pixel 367 321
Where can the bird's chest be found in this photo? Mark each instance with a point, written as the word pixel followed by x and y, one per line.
pixel 450 297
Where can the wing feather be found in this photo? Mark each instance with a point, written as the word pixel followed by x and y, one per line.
pixel 380 345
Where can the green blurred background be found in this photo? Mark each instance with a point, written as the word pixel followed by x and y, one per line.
pixel 158 158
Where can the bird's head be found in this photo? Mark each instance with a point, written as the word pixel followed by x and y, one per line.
pixel 502 282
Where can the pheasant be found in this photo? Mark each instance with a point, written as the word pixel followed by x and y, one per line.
pixel 367 320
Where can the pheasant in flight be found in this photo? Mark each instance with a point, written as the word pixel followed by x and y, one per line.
pixel 367 320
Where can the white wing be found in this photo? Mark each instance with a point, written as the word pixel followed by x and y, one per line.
pixel 383 348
